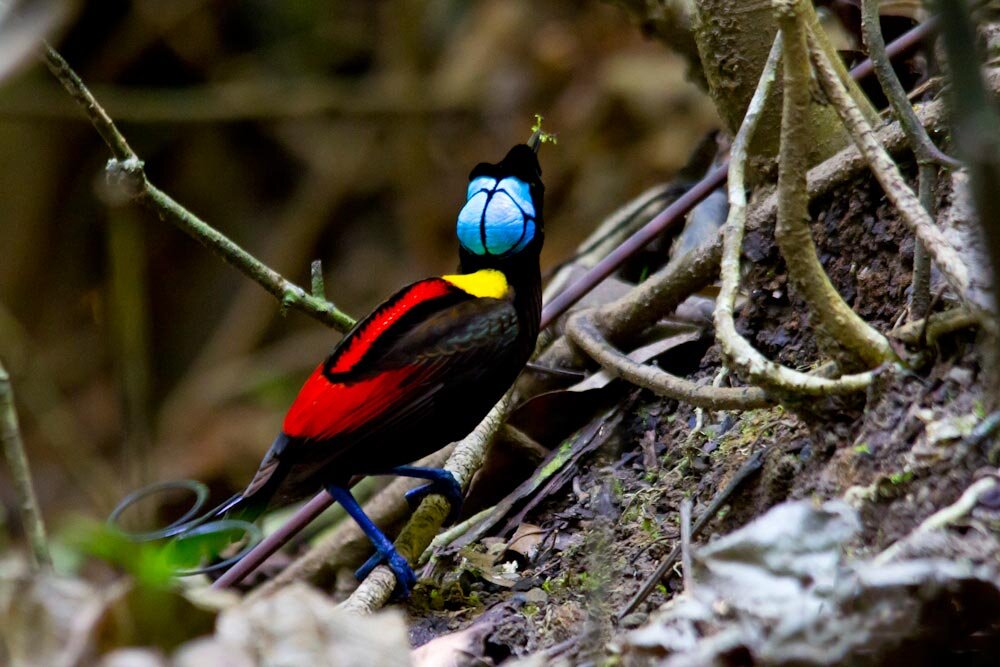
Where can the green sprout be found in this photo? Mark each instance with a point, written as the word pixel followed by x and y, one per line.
pixel 543 137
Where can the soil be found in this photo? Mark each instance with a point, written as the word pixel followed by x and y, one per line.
pixel 609 527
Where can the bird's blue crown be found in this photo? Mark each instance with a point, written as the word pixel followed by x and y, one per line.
pixel 500 217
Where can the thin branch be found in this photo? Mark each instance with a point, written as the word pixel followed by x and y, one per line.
pixel 738 352
pixel 791 231
pixel 318 286
pixel 925 149
pixel 583 330
pixel 670 216
pixel 926 152
pixel 900 46
pixel 17 459
pixel 428 518
pixel 687 565
pixel 128 169
pixel 887 174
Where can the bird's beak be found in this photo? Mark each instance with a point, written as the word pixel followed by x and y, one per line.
pixel 535 142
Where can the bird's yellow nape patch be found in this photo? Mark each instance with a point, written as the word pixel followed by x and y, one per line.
pixel 487 283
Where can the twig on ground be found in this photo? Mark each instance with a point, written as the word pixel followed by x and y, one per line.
pixel 687 565
pixel 17 460
pixel 831 314
pixel 943 517
pixel 583 330
pixel 939 324
pixel 747 470
pixel 128 169
pixel 551 474
pixel 428 518
pixel 736 349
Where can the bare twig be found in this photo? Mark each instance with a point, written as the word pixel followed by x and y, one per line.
pixel 687 566
pixel 928 330
pixel 792 232
pixel 13 449
pixel 316 273
pixel 902 45
pixel 583 330
pixel 428 518
pixel 128 168
pixel 604 268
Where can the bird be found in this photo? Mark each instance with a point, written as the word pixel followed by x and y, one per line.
pixel 423 369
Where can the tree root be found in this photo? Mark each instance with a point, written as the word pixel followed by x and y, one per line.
pixel 583 330
pixel 887 173
pixel 738 352
pixel 657 296
pixel 860 341
pixel 935 326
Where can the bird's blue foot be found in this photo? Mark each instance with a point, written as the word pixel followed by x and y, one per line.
pixel 442 482
pixel 385 552
pixel 405 578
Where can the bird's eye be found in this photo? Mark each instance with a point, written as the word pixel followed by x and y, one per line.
pixel 498 218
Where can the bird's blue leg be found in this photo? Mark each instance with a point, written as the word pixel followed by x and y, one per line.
pixel 385 552
pixel 442 482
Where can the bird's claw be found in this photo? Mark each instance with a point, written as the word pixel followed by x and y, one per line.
pixel 405 578
pixel 446 486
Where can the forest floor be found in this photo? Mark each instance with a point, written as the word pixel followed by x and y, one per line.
pixel 553 587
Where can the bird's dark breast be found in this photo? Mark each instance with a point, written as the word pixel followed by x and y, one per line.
pixel 453 413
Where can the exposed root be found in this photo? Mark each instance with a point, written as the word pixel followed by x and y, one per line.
pixel 584 332
pixel 830 313
pixel 937 325
pixel 738 352
pixel 887 173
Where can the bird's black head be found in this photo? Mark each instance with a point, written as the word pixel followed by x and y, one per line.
pixel 502 216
